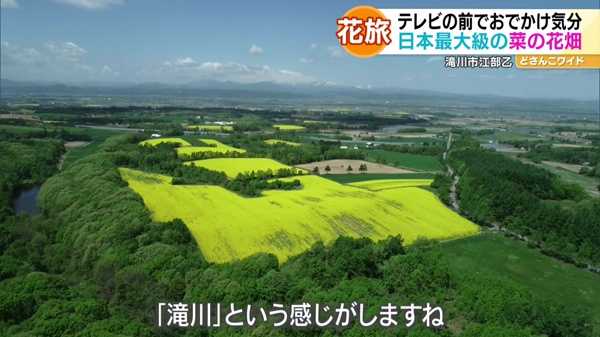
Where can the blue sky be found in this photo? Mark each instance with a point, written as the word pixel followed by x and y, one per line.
pixel 179 41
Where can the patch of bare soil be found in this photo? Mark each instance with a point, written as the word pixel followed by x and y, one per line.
pixel 340 166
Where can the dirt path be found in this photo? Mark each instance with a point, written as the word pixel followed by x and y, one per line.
pixel 455 178
pixel 68 146
pixel 61 161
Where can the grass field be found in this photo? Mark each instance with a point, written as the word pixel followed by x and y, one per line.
pixel 386 184
pixel 279 141
pixel 234 166
pixel 405 160
pixel 211 127
pixel 212 146
pixel 589 184
pixel 227 226
pixel 156 141
pixel 352 178
pixel 288 127
pixel 509 258
pixel 19 129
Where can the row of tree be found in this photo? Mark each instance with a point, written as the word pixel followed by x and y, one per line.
pixel 497 190
pixel 163 159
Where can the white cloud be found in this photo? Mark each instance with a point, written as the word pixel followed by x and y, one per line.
pixel 183 69
pixel 313 46
pixel 9 4
pixel 306 60
pixel 92 4
pixel 108 71
pixel 65 51
pixel 211 66
pixel 334 51
pixel 14 55
pixel 55 61
pixel 255 50
pixel 185 61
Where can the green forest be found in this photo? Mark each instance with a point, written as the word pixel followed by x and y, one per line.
pixel 25 163
pixel 95 264
pixel 557 217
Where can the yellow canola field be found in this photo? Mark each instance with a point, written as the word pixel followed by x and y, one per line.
pixel 279 141
pixel 157 141
pixel 234 166
pixel 211 127
pixel 216 146
pixel 227 226
pixel 384 184
pixel 288 127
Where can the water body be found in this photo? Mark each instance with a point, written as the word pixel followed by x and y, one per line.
pixel 26 201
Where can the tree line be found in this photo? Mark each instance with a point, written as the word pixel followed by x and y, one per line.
pixel 497 190
pixel 163 159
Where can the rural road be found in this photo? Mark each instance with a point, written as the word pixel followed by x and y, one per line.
pixel 455 178
pixel 496 227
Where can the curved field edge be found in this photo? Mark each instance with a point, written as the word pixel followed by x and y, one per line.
pixel 213 146
pixel 384 184
pixel 228 227
pixel 186 149
pixel 234 166
pixel 171 140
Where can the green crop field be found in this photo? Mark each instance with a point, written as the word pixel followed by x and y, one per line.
pixel 288 127
pixel 211 127
pixel 545 276
pixel 380 185
pixel 279 141
pixel 154 142
pixel 234 166
pixel 405 160
pixel 352 178
pixel 227 226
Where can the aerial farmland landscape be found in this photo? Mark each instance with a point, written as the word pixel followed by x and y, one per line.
pixel 128 192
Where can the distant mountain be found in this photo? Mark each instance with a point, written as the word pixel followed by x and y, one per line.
pixel 12 88
pixel 318 93
pixel 196 88
pixel 212 88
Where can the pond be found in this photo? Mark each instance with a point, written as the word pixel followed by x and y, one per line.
pixel 26 201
